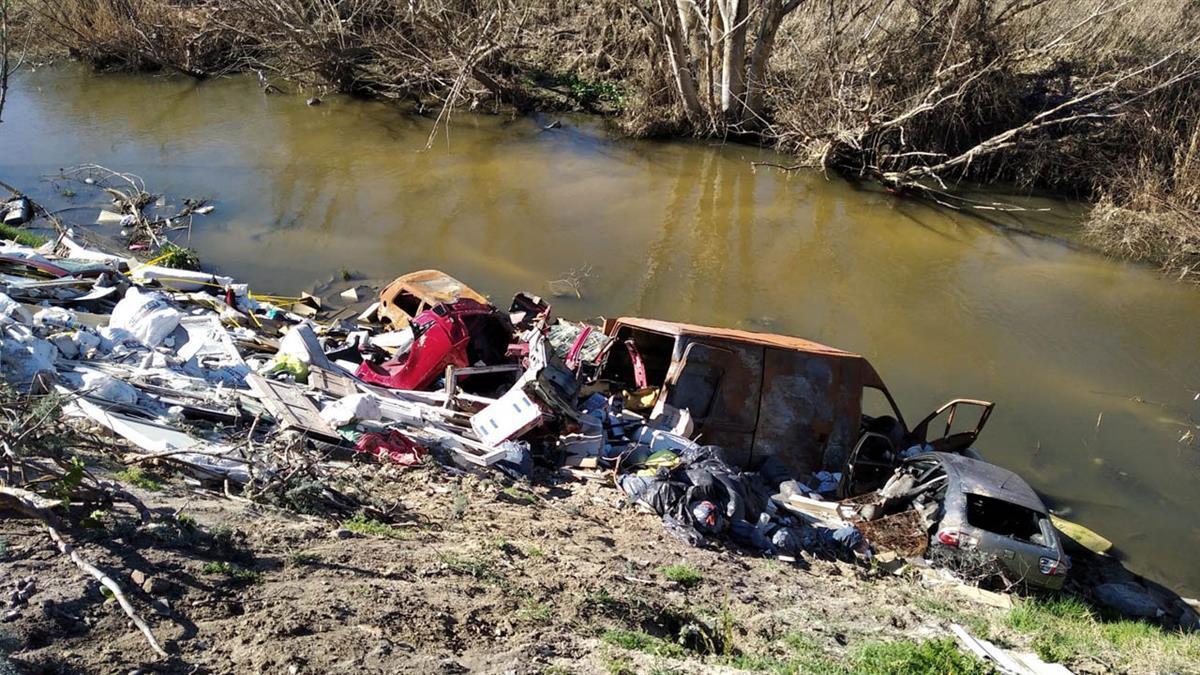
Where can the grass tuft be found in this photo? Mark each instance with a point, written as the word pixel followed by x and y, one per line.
pixel 684 575
pixel 135 476
pixel 1065 630
pixel 233 571
pixel 637 641
pixel 361 524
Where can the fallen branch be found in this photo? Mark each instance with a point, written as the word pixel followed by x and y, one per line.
pixel 36 506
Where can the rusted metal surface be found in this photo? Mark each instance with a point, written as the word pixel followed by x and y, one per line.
pixel 760 395
pixel 413 293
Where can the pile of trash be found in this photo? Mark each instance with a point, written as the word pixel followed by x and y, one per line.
pixel 196 370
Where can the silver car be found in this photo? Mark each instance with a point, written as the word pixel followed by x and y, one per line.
pixel 987 509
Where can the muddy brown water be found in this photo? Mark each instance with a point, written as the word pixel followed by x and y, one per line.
pixel 1092 362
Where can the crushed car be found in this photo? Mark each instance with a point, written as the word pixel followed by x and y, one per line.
pixel 978 514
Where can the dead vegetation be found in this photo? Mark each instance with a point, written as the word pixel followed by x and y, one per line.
pixel 1094 99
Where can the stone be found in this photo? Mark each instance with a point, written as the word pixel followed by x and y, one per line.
pixel 1129 599
pixel 138 577
pixel 156 586
pixel 341 533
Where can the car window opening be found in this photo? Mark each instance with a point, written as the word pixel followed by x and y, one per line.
pixel 1004 518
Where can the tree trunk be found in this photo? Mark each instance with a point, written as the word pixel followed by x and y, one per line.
pixel 733 60
pixel 676 52
pixel 764 43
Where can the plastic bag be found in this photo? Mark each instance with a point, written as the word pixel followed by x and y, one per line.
pixel 149 317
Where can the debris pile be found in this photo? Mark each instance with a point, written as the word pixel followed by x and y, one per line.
pixel 233 388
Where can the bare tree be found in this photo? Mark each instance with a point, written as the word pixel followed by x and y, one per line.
pixel 7 64
pixel 705 42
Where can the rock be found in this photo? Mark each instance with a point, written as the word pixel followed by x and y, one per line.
pixel 10 615
pixel 156 586
pixel 138 577
pixel 1129 599
pixel 341 533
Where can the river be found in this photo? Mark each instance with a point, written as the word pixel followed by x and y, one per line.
pixel 1092 362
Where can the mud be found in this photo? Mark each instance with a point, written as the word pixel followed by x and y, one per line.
pixel 475 574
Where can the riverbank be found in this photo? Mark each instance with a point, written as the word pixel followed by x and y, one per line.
pixel 943 304
pixel 563 571
pixel 477 576
pixel 1089 100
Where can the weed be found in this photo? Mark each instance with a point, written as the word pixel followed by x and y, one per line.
pixel 302 558
pixel 3 548
pixel 932 657
pixel 460 504
pixel 231 570
pixel 23 237
pixel 556 670
pixel 361 524
pixel 177 257
pixel 519 495
pixel 135 476
pixel 615 664
pixel 638 641
pixel 534 552
pixel 533 611
pixel 684 575
pixel 471 567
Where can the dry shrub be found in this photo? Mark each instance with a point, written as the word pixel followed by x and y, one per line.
pixel 1096 98
pixel 1151 212
pixel 184 35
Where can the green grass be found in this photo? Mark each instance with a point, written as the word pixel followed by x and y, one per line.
pixel 360 524
pixel 234 572
pixel 931 657
pixel 684 575
pixel 520 495
pixel 20 236
pixel 135 476
pixel 177 257
pixel 533 611
pixel 1064 630
pixel 638 641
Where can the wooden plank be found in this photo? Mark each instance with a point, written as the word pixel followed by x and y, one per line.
pixel 334 384
pixel 290 407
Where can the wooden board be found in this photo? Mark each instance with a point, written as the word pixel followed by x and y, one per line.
pixel 334 384
pixel 289 406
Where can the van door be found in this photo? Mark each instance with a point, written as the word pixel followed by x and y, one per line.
pixel 964 420
pixel 719 385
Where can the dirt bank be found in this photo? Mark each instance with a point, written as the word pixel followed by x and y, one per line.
pixel 472 576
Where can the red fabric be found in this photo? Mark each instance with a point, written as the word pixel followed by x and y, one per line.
pixel 395 447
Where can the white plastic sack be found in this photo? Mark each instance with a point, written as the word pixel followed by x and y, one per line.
pixel 148 316
pixel 13 311
pixel 22 357
pixel 101 385
pixel 351 408
pixel 54 317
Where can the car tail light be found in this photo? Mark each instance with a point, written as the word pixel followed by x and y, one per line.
pixel 1054 566
pixel 955 539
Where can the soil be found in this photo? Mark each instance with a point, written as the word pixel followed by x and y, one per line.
pixel 477 574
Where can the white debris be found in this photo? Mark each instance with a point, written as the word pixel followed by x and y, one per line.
pixel 352 408
pixel 149 317
pixel 13 311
